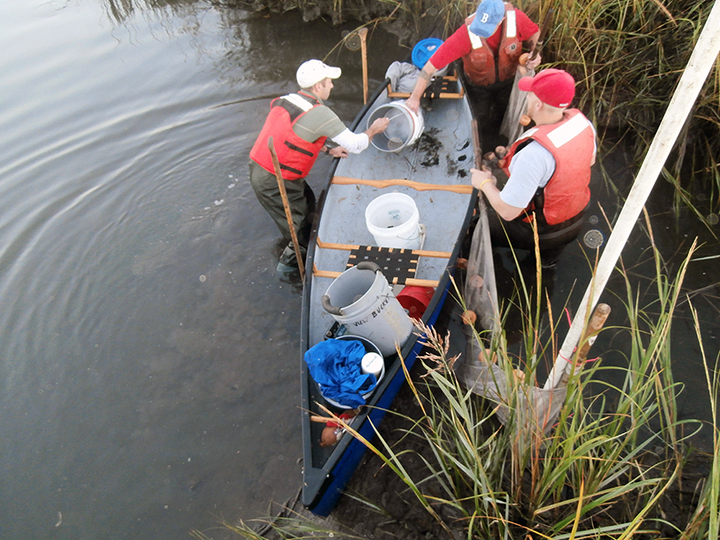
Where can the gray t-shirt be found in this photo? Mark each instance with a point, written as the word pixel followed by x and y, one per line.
pixel 530 169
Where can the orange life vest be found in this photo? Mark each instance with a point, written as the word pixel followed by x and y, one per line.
pixel 481 65
pixel 295 155
pixel 572 143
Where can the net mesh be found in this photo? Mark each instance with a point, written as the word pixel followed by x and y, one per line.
pixel 517 106
pixel 528 410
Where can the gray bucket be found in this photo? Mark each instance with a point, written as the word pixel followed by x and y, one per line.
pixel 362 300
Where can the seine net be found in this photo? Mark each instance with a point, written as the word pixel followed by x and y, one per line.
pixel 526 408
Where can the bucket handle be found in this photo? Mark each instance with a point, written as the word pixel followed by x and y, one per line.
pixel 327 306
pixel 325 300
pixel 368 265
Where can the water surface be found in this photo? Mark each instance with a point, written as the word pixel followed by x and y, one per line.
pixel 149 356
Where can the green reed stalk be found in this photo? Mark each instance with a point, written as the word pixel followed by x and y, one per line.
pixel 705 523
pixel 594 464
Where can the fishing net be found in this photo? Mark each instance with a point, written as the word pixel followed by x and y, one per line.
pixel 480 292
pixel 517 106
pixel 527 409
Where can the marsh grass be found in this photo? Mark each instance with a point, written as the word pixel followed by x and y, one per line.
pixel 605 468
pixel 706 519
pixel 603 471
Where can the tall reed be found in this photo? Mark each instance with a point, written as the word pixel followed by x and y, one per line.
pixel 617 448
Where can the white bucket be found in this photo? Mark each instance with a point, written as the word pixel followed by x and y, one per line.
pixel 361 299
pixel 394 221
pixel 404 128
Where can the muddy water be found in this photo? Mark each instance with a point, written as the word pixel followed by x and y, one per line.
pixel 149 356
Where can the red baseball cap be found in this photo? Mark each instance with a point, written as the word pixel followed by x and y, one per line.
pixel 552 86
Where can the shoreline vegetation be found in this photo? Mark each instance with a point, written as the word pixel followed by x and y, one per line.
pixel 619 462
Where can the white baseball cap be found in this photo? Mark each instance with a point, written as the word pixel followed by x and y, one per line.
pixel 314 71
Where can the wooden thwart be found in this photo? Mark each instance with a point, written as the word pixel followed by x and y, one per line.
pixel 418 186
pixel 410 281
pixel 351 247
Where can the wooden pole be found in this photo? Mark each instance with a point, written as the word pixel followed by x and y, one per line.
pixel 597 321
pixel 286 205
pixel 683 100
pixel 363 51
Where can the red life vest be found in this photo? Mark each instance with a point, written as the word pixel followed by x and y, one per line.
pixel 295 154
pixel 481 66
pixel 572 143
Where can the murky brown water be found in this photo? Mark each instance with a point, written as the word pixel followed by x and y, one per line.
pixel 149 356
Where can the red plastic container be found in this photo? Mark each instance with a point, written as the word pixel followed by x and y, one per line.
pixel 415 300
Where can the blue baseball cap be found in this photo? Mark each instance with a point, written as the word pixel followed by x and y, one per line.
pixel 489 14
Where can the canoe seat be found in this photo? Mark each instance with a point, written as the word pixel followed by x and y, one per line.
pixel 390 266
pixel 397 265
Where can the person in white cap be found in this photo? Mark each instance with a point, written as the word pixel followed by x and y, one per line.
pixel 302 126
pixel 548 171
pixel 490 44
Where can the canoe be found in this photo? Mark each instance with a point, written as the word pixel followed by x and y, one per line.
pixel 435 172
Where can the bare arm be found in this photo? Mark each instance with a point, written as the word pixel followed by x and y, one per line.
pixel 378 126
pixel 354 143
pixel 484 181
pixel 426 74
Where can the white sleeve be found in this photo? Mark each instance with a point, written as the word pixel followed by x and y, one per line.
pixel 352 142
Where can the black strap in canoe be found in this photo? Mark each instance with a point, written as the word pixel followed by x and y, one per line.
pixel 397 265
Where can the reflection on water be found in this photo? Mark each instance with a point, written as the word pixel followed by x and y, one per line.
pixel 148 353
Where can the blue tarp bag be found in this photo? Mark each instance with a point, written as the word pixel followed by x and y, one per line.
pixel 335 365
